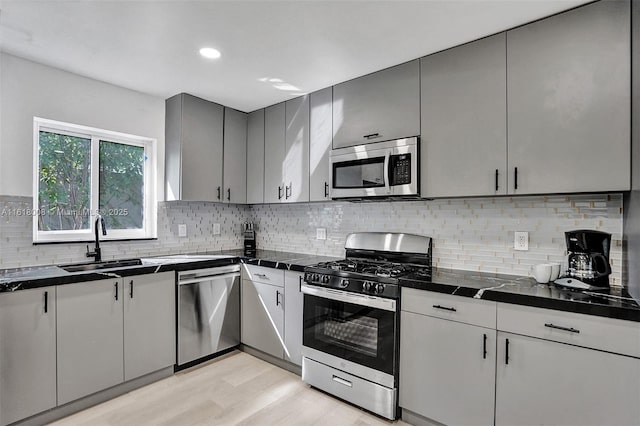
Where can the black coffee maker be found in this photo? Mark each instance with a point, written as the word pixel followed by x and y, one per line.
pixel 588 266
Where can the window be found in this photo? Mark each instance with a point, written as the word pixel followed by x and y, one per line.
pixel 81 172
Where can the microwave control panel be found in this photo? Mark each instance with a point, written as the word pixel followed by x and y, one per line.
pixel 400 166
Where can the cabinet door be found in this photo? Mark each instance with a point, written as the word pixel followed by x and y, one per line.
pixel 377 107
pixel 27 353
pixel 149 323
pixel 296 160
pixel 320 137
pixel 548 383
pixel 202 134
pixel 235 156
pixel 568 85
pixel 464 120
pixel 90 338
pixel 274 153
pixel 255 157
pixel 446 365
pixel 293 317
pixel 262 317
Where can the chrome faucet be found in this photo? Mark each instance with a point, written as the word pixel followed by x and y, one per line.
pixel 96 253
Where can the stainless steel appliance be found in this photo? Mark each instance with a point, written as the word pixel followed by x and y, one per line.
pixel 588 260
pixel 383 169
pixel 351 318
pixel 208 312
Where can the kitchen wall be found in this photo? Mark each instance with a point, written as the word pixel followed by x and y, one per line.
pixel 30 89
pixel 17 250
pixel 472 234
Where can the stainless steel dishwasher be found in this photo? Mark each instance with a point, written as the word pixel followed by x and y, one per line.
pixel 208 311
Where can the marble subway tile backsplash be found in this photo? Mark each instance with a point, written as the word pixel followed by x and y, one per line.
pixel 17 250
pixel 471 234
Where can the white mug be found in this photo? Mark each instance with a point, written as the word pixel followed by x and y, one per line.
pixel 555 271
pixel 542 272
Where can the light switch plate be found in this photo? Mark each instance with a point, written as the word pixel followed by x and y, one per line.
pixel 216 229
pixel 321 233
pixel 521 240
pixel 182 230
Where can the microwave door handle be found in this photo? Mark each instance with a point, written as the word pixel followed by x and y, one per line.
pixel 387 157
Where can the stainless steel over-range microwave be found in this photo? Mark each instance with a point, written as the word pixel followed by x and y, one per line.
pixel 382 169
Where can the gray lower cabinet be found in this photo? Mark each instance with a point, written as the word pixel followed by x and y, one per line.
pixel 320 137
pixel 568 85
pixel 235 157
pixel 296 159
pixel 89 337
pixel 27 353
pixel 377 107
pixel 262 321
pixel 193 152
pixel 274 153
pixel 149 323
pixel 447 370
pixel 255 157
pixel 464 120
pixel 549 383
pixel 293 303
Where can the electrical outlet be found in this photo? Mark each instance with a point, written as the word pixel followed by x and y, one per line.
pixel 182 230
pixel 321 233
pixel 521 240
pixel 216 229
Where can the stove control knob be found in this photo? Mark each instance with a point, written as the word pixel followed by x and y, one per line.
pixel 367 285
pixel 325 278
pixel 379 288
pixel 344 283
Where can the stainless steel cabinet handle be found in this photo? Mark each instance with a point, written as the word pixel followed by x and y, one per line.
pixel 506 352
pixel 228 194
pixel 342 381
pixel 372 136
pixel 46 301
pixel 515 178
pixel 484 346
pixel 261 276
pixel 277 298
pixel 218 193
pixel 116 286
pixel 326 189
pixel 496 179
pixel 131 289
pixel 288 191
pixel 279 193
pixel 557 327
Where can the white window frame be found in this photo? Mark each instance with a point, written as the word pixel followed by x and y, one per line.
pixel 149 221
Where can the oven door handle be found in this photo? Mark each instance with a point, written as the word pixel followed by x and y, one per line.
pixel 356 299
pixel 387 172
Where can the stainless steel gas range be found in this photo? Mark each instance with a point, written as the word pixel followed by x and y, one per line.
pixel 351 323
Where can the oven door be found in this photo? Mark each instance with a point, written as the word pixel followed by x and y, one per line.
pixel 358 328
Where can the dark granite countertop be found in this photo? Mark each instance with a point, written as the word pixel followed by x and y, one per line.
pixel 48 275
pixel 613 303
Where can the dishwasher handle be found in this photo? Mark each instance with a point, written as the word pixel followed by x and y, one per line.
pixel 209 277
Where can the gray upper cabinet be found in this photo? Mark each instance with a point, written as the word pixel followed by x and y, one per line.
pixel 149 323
pixel 568 85
pixel 320 137
pixel 274 153
pixel 89 338
pixel 296 159
pixel 255 157
pixel 235 156
pixel 193 154
pixel 27 353
pixel 377 107
pixel 464 120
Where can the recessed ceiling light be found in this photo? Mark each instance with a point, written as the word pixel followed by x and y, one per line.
pixel 210 52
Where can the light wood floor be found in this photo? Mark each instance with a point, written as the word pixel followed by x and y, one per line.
pixel 235 389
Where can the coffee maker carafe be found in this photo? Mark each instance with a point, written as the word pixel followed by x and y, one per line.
pixel 249 234
pixel 588 260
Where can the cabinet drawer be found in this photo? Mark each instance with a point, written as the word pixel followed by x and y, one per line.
pixel 612 335
pixel 463 309
pixel 263 274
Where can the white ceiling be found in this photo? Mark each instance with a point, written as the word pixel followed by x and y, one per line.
pixel 152 46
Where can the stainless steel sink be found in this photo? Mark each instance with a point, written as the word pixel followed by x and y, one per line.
pixel 92 266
